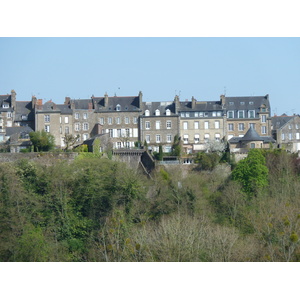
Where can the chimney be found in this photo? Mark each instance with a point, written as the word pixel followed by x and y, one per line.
pixel 193 102
pixel 176 102
pixel 140 99
pixel 13 99
pixel 105 100
pixel 67 100
pixel 33 101
pixel 222 99
pixel 90 105
pixel 39 103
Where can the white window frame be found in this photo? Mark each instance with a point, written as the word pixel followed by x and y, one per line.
pixel 157 125
pixel 47 128
pixel 148 138
pixel 251 114
pixel 206 125
pixel 169 124
pixel 169 138
pixel 126 120
pixel 217 124
pixel 66 120
pixel 85 116
pixel 241 127
pixel 147 125
pixel 77 126
pixel 196 125
pixel 230 114
pixel 157 138
pixel 77 116
pixel 263 129
pixel 47 118
pixel 185 126
pixel 263 118
pixel 230 126
pixel 101 121
pixel 242 112
pixel 85 126
pixel 109 120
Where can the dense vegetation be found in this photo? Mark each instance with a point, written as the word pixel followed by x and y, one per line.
pixel 95 209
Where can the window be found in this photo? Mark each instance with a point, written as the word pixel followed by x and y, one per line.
pixel 263 129
pixel 187 114
pixel 217 124
pixel 290 126
pixel 85 136
pixel 290 136
pixel 60 129
pixel 101 121
pixel 111 133
pixel 127 132
pixel 168 112
pixel 147 112
pixel 219 114
pixel 206 138
pixel 24 117
pixel 157 125
pixel 147 125
pixel 9 114
pixel 206 125
pixel 263 118
pixel 118 107
pixel 169 124
pixel 230 127
pixel 206 114
pixel 231 103
pixel 47 128
pixel 76 116
pixel 185 125
pixel 47 118
pixel 85 126
pixel 230 114
pixel 157 112
pixel 282 136
pixel 182 115
pixel 67 131
pixel 118 132
pixel 60 120
pixel 242 103
pixel 252 125
pixel 169 138
pixel 5 105
pixel 201 114
pixel 185 139
pixel 241 114
pixel 297 136
pixel 217 137
pixel 135 119
pixel 77 126
pixel 251 102
pixel 158 138
pixel 252 145
pixel 126 120
pixel 66 120
pixel 109 120
pixel 197 138
pixel 85 116
pixel 241 126
pixel 214 113
pixel 296 126
pixel 148 138
pixel 196 125
pixel 251 114
pixel 118 145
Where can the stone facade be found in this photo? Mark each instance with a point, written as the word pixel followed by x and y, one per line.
pixel 286 131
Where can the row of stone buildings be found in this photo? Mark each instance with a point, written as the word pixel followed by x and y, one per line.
pixel 127 120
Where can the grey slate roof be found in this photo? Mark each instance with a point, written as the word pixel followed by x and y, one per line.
pixel 5 99
pixel 251 135
pixel 257 102
pixel 279 121
pixel 64 109
pixel 82 103
pixel 24 108
pixel 161 106
pixel 18 130
pixel 200 106
pixel 130 104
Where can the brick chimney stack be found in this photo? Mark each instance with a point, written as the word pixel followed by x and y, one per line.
pixel 33 101
pixel 222 99
pixel 176 102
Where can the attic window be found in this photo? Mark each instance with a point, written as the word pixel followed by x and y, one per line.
pixel 118 107
pixel 126 108
pixel 157 112
pixel 147 112
pixel 24 117
pixel 5 105
pixel 168 112
pixel 242 103
pixel 231 103
pixel 251 102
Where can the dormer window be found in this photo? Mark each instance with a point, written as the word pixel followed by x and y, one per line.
pixel 242 103
pixel 157 112
pixel 24 117
pixel 5 105
pixel 168 112
pixel 147 113
pixel 118 107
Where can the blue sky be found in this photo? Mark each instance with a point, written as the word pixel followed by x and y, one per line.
pixel 53 68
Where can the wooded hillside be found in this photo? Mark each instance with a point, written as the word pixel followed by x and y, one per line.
pixel 96 209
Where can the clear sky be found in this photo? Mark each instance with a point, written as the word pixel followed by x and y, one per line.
pixel 53 68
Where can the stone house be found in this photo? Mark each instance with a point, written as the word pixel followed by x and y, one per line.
pixel 200 122
pixel 286 131
pixel 245 112
pixel 159 123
